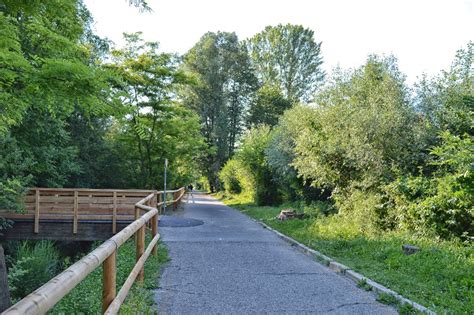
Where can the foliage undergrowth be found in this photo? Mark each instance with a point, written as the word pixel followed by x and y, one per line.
pixel 86 298
pixel 440 276
pixel 34 266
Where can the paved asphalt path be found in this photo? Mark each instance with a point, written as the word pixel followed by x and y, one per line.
pixel 231 265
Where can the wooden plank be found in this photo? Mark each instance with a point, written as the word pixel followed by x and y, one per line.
pixel 76 213
pixel 114 215
pixel 92 190
pixel 69 216
pixel 109 273
pixel 37 211
pixel 105 210
pixel 52 207
pixel 50 199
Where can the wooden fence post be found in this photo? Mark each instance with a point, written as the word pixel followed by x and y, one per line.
pixel 137 215
pixel 140 250
pixel 109 275
pixel 175 203
pixel 154 201
pixel 154 231
pixel 37 211
pixel 114 214
pixel 160 200
pixel 76 211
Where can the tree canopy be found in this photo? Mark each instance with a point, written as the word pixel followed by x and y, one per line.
pixel 288 56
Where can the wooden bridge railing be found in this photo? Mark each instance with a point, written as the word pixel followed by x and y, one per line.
pixel 44 298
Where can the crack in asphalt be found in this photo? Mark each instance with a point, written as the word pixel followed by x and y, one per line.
pixel 348 304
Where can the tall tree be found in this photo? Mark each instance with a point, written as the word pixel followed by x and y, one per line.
pixel 447 101
pixel 289 57
pixel 48 70
pixel 153 126
pixel 221 95
pixel 269 104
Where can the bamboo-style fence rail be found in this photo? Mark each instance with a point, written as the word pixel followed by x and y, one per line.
pixel 80 203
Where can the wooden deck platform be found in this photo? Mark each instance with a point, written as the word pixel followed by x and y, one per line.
pixel 79 214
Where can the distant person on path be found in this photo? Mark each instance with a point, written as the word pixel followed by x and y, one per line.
pixel 190 190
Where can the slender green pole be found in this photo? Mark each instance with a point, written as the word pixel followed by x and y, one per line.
pixel 164 194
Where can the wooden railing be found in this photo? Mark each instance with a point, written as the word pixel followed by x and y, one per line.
pixel 44 298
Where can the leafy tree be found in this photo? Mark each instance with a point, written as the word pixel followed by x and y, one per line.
pixel 447 101
pixel 280 155
pixel 99 165
pixel 47 72
pixel 362 134
pixel 438 200
pixel 287 56
pixel 14 173
pixel 153 126
pixel 223 90
pixel 14 70
pixel 268 106
pixel 47 143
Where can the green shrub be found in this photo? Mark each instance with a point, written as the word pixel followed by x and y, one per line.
pixel 252 158
pixel 319 208
pixel 35 265
pixel 441 204
pixel 229 176
pixel 248 172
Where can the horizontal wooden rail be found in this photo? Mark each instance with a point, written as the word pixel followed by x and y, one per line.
pixel 45 297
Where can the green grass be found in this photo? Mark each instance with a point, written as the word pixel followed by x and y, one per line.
pixel 86 298
pixel 440 276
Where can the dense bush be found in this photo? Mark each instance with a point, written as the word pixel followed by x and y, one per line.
pixel 229 175
pixel 250 168
pixel 34 265
pixel 280 154
pixel 361 134
pixel 443 202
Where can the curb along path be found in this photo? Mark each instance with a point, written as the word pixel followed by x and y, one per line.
pixel 230 264
pixel 344 270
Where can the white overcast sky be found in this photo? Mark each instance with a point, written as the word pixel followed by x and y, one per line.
pixel 423 34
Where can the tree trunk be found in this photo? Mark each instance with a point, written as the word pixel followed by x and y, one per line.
pixel 4 292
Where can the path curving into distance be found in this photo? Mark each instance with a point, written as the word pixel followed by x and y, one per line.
pixel 231 265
